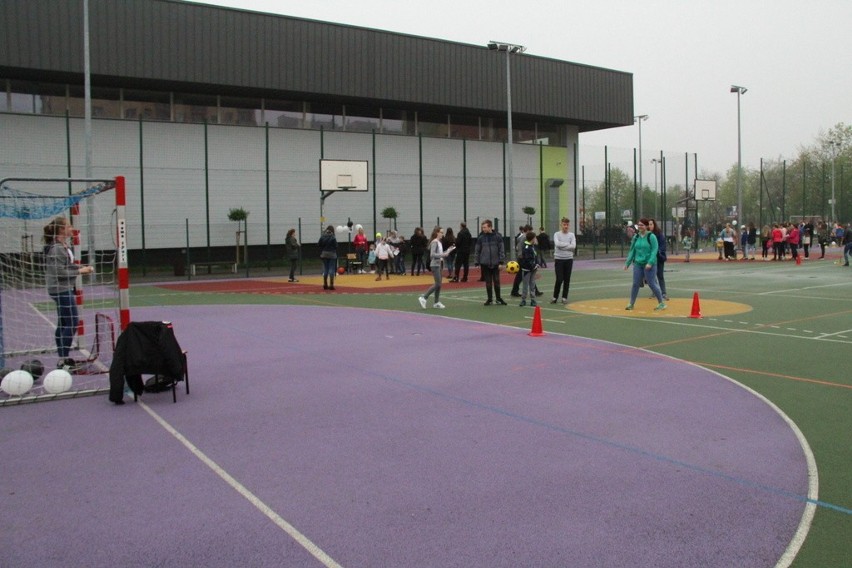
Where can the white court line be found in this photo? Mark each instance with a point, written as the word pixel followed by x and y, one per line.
pixel 787 290
pixel 822 335
pixel 304 541
pixel 679 321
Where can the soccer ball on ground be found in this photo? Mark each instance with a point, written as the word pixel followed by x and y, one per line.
pixel 17 383
pixel 512 267
pixel 341 270
pixel 57 381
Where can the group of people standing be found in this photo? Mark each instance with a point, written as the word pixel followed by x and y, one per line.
pixel 784 238
pixel 444 249
pixel 779 241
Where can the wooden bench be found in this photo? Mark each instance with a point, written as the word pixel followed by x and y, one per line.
pixel 232 266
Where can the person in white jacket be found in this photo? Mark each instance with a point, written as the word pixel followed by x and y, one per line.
pixel 564 245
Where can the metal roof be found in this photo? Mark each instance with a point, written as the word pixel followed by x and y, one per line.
pixel 176 45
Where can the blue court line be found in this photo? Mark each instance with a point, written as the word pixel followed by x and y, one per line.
pixel 618 445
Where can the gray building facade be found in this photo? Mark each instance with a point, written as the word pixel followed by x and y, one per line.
pixel 204 108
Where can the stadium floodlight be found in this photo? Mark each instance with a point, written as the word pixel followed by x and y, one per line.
pixel 509 48
pixel 739 91
pixel 641 118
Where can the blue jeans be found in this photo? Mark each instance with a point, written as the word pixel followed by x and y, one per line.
pixel 329 267
pixel 650 276
pixel 66 327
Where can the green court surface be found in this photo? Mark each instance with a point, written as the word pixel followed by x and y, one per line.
pixel 780 329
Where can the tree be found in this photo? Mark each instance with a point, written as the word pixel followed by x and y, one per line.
pixel 239 215
pixel 529 212
pixel 389 213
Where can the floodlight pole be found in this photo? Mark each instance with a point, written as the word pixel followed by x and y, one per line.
pixel 835 148
pixel 654 161
pixel 509 48
pixel 739 91
pixel 641 118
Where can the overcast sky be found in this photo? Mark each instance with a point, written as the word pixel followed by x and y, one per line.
pixel 794 57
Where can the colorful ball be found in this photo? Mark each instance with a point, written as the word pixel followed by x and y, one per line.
pixel 17 383
pixel 341 270
pixel 512 267
pixel 58 381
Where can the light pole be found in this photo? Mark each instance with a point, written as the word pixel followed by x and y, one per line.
pixel 640 119
pixel 655 161
pixel 835 147
pixel 509 48
pixel 739 91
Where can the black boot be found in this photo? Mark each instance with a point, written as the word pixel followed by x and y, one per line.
pixel 331 285
pixel 325 282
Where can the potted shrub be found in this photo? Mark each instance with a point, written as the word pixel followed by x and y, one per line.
pixel 240 216
pixel 529 212
pixel 390 213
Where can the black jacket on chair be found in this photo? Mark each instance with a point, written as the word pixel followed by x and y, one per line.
pixel 147 347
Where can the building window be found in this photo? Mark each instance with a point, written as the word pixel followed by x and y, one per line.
pixel 56 99
pixel 105 102
pixel 550 134
pixel 466 127
pixel 362 119
pixel 433 124
pixel 36 98
pixel 523 131
pixel 284 114
pixel 397 121
pixel 195 108
pixel 147 105
pixel 326 116
pixel 240 111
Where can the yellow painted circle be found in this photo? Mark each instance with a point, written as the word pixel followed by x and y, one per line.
pixel 644 307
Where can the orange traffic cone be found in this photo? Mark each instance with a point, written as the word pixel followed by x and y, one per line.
pixel 696 307
pixel 798 259
pixel 536 330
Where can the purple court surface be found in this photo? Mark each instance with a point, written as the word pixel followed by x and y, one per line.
pixel 319 436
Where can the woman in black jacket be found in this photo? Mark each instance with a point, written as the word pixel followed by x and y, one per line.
pixel 418 242
pixel 328 255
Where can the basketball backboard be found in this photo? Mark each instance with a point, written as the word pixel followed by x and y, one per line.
pixel 705 190
pixel 343 175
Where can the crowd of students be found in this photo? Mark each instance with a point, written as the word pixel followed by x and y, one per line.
pixel 782 241
pixel 445 250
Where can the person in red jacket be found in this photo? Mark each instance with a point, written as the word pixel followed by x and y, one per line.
pixel 359 241
pixel 777 241
pixel 793 240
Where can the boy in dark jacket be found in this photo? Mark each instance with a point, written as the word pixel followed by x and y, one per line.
pixel 490 255
pixel 528 260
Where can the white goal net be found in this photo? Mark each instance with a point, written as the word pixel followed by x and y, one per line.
pixel 29 318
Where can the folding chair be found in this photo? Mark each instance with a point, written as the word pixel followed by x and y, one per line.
pixel 148 348
pixel 352 263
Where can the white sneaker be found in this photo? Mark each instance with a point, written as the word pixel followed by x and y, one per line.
pixel 422 301
pixel 439 305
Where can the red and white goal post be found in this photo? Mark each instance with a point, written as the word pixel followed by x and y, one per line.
pixel 28 315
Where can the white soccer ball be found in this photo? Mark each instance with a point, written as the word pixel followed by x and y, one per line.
pixel 17 383
pixel 734 222
pixel 58 381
